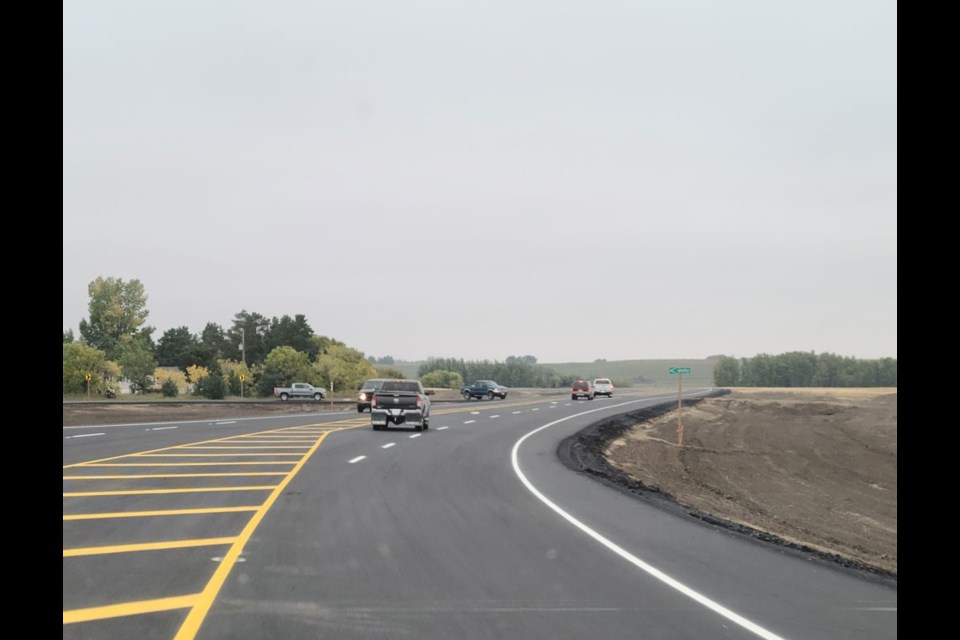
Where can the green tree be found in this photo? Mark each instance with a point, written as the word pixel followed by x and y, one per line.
pixel 178 348
pixel 68 336
pixel 246 336
pixel 387 372
pixel 80 359
pixel 283 366
pixel 118 310
pixel 291 332
pixel 137 363
pixel 726 372
pixel 212 386
pixel 344 367
pixel 169 388
pixel 443 380
pixel 213 344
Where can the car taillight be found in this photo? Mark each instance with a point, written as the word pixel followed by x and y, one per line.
pixel 373 401
pixel 419 402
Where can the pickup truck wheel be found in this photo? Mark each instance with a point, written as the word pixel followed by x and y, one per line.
pixel 466 396
pixel 284 396
pixel 490 395
pixel 359 409
pixel 318 397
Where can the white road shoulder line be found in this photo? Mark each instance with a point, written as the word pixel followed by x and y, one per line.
pixel 620 551
pixel 357 459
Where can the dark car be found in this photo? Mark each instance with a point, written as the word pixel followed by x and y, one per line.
pixel 366 391
pixel 582 389
pixel 484 389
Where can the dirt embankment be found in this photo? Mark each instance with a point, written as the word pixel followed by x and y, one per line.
pixel 810 468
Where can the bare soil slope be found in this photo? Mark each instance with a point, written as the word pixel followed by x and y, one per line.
pixel 811 467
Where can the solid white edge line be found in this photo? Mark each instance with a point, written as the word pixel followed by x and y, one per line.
pixel 620 551
pixel 357 459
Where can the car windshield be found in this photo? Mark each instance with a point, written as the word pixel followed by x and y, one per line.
pixel 296 233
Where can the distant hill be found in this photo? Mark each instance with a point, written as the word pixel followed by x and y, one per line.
pixel 639 372
pixel 635 372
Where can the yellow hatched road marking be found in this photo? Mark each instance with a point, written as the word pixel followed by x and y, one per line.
pixel 324 427
pixel 199 611
pixel 129 608
pixel 159 513
pixel 137 492
pixel 185 464
pixel 179 475
pixel 146 546
pixel 206 455
pixel 198 603
pixel 254 447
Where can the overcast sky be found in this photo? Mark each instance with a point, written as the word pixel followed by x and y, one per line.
pixel 568 179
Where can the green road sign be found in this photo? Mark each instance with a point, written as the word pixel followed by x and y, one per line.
pixel 679 369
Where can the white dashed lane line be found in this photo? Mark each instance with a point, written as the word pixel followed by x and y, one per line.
pixel 162 428
pixel 442 428
pixel 516 412
pixel 388 445
pixel 357 459
pixel 416 435
pixel 474 413
pixel 85 435
pixel 469 421
pixel 227 422
pixel 535 409
pixel 496 415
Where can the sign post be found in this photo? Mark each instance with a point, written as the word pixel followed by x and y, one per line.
pixel 679 371
pixel 242 378
pixel 87 378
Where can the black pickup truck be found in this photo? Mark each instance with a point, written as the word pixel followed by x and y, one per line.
pixel 400 402
pixel 483 389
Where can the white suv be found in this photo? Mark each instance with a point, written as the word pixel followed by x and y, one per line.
pixel 603 387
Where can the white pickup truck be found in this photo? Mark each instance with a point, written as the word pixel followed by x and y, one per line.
pixel 603 387
pixel 300 390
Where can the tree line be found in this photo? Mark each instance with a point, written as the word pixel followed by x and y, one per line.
pixel 255 353
pixel 515 371
pixel 804 369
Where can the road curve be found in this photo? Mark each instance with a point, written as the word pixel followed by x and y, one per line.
pixel 473 529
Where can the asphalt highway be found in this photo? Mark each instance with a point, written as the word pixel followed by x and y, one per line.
pixel 319 527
